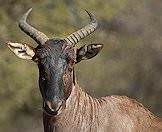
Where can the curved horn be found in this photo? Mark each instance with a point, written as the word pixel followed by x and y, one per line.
pixel 38 36
pixel 83 32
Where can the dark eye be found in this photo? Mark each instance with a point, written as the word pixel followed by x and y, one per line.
pixel 70 69
pixel 35 59
pixel 43 78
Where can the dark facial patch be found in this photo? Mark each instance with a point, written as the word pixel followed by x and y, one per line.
pixel 55 61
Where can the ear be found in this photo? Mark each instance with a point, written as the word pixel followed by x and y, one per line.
pixel 88 51
pixel 23 51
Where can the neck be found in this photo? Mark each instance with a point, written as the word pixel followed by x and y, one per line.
pixel 84 113
pixel 75 99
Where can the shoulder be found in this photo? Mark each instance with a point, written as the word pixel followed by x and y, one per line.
pixel 128 106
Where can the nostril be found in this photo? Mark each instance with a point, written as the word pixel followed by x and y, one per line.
pixel 50 105
pixel 54 106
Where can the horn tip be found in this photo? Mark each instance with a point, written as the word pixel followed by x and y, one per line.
pixel 92 16
pixel 25 15
pixel 29 11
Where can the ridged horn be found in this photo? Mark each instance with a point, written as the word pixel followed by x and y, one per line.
pixel 38 36
pixel 83 32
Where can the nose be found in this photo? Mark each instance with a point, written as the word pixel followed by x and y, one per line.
pixel 54 106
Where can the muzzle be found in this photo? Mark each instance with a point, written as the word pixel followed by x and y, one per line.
pixel 52 108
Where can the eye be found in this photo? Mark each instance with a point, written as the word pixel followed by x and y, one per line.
pixel 35 59
pixel 70 69
pixel 43 78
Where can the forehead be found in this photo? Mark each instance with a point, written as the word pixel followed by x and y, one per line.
pixel 55 48
pixel 55 44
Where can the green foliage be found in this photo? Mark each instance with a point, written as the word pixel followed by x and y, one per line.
pixel 130 63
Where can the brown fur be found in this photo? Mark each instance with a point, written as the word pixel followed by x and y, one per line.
pixel 106 114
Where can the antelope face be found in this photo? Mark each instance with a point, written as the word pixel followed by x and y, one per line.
pixel 55 59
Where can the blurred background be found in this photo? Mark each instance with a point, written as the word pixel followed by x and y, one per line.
pixel 130 63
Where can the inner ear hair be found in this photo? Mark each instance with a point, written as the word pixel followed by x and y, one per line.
pixel 88 51
pixel 23 51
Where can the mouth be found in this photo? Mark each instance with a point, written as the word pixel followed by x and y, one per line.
pixel 53 109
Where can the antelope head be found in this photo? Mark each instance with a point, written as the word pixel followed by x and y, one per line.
pixel 55 59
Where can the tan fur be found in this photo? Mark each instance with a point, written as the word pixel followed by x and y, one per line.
pixel 107 114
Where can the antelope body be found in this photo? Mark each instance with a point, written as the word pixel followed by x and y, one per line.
pixel 66 107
